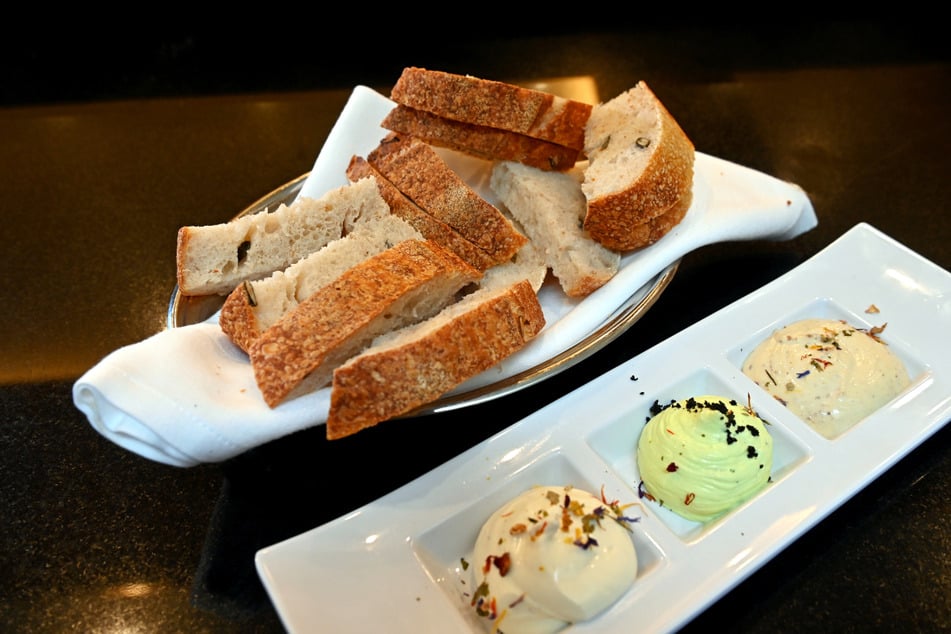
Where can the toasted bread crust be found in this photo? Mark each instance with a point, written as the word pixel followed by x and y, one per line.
pixel 491 144
pixel 494 104
pixel 425 178
pixel 424 222
pixel 647 233
pixel 616 212
pixel 238 320
pixel 341 318
pixel 391 380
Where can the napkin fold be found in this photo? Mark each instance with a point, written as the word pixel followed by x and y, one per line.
pixel 187 395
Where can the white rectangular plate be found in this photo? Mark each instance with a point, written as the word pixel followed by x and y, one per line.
pixel 394 564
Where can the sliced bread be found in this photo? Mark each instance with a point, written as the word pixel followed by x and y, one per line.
pixel 527 264
pixel 647 233
pixel 422 175
pixel 640 165
pixel 417 364
pixel 549 207
pixel 493 104
pixel 431 227
pixel 214 259
pixel 254 306
pixel 491 144
pixel 408 282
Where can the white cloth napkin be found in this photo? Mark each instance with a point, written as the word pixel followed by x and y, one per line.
pixel 187 395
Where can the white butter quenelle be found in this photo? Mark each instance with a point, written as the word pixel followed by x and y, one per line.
pixel 827 372
pixel 552 556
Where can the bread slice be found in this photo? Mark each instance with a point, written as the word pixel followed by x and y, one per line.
pixel 408 282
pixel 214 259
pixel 649 232
pixel 422 175
pixel 254 306
pixel 494 104
pixel 640 164
pixel 491 144
pixel 528 264
pixel 417 364
pixel 428 225
pixel 549 206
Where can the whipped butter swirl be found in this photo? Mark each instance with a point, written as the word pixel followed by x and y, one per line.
pixel 826 372
pixel 552 556
pixel 703 456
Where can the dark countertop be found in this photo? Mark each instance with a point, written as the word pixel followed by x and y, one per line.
pixel 109 145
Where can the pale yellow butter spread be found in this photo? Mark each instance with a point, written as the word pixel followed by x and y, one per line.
pixel 703 456
pixel 552 556
pixel 828 373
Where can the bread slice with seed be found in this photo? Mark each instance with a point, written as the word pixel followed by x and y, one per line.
pixel 417 364
pixel 254 306
pixel 640 166
pixel 214 259
pixel 493 104
pixel 550 208
pixel 406 283
pixel 422 175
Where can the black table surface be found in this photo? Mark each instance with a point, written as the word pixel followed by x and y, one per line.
pixel 110 140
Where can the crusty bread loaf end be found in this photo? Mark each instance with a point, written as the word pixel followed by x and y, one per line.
pixel 640 164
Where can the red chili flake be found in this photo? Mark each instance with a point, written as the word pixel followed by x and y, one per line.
pixel 672 467
pixel 518 529
pixel 689 499
pixel 503 563
pixel 539 530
